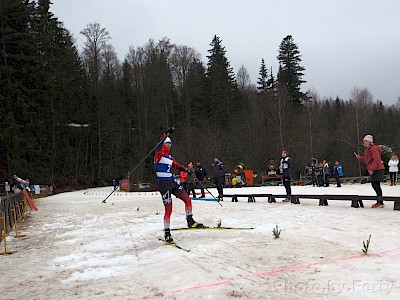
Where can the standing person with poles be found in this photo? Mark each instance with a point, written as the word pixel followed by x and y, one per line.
pixel 286 164
pixel 201 174
pixel 217 172
pixel 373 161
pixel 164 163
pixel 190 180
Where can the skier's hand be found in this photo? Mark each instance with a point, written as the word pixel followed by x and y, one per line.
pixel 169 130
pixel 370 172
pixel 184 169
pixel 196 180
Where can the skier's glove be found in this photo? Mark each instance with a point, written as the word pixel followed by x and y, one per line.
pixel 169 130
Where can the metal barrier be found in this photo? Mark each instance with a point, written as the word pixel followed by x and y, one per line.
pixel 5 207
pixel 12 210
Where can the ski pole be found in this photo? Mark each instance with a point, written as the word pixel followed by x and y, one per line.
pixel 104 201
pixel 147 155
pixel 204 187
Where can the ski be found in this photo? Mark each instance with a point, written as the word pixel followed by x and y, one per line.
pixel 206 199
pixel 212 228
pixel 173 244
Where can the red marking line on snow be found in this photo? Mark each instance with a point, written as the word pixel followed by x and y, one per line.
pixel 277 271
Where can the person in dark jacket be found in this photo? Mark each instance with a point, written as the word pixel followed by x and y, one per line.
pixel 115 184
pixel 201 174
pixel 373 160
pixel 190 180
pixel 285 167
pixel 218 173
pixel 326 171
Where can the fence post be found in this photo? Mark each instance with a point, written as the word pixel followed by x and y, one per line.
pixel 5 252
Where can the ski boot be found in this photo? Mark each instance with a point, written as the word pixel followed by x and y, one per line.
pixel 167 236
pixel 192 223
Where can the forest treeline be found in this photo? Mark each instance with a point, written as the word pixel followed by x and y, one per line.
pixel 86 117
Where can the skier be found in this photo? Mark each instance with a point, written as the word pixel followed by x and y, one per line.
pixel 167 186
pixel 286 164
pixel 217 171
pixel 373 161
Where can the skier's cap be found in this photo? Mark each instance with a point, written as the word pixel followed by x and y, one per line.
pixel 168 141
pixel 368 137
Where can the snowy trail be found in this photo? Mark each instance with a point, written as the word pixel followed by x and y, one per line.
pixel 79 248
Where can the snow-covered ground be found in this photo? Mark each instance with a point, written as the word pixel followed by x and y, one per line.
pixel 77 247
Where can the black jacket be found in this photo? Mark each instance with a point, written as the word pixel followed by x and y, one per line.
pixel 201 173
pixel 217 169
pixel 286 164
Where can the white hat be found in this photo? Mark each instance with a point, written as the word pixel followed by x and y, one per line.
pixel 368 137
pixel 167 141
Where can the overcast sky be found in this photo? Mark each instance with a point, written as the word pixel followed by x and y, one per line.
pixel 343 43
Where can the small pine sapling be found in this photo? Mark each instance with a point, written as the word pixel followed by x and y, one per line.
pixel 276 232
pixel 366 245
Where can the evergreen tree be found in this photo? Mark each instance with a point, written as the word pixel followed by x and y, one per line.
pixel 271 82
pixel 290 71
pixel 221 84
pixel 60 91
pixel 18 81
pixel 262 82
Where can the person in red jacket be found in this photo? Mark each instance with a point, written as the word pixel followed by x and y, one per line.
pixel 164 163
pixel 373 160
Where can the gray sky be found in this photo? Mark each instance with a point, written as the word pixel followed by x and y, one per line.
pixel 343 43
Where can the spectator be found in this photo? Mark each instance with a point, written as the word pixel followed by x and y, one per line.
pixel 190 180
pixel 182 179
pixel 337 173
pixel 326 172
pixel 115 184
pixel 373 160
pixel 393 169
pixel 201 174
pixel 218 173
pixel 285 166
pixel 312 173
pixel 319 173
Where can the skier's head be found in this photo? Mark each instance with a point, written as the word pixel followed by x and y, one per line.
pixel 167 144
pixel 284 152
pixel 190 165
